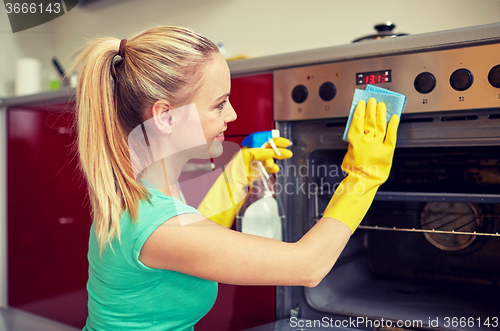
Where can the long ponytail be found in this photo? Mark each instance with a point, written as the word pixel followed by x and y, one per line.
pixel 112 98
pixel 102 143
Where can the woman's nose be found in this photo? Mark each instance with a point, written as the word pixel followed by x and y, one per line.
pixel 230 114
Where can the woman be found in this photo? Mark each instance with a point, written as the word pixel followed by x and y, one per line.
pixel 148 271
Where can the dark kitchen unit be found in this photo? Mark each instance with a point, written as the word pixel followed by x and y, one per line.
pixel 46 219
pixel 427 254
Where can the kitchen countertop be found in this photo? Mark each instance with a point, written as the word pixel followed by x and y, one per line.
pixel 62 95
pixel 17 320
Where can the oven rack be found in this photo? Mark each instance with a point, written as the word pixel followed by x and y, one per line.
pixel 428 197
pixel 436 231
pixel 382 228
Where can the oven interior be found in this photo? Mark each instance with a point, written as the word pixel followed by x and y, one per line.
pixel 429 246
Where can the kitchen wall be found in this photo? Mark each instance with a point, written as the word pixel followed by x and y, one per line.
pixel 246 27
pixel 36 42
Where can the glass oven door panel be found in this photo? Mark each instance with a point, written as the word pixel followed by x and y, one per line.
pixel 429 241
pixel 466 170
pixel 435 241
pixel 446 169
pixel 437 217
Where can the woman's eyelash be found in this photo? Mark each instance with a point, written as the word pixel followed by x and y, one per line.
pixel 221 105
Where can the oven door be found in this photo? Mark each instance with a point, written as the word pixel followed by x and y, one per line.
pixel 427 252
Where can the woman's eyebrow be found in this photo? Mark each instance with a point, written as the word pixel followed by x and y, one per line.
pixel 222 97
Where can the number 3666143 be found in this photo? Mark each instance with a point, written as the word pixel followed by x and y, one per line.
pixel 32 8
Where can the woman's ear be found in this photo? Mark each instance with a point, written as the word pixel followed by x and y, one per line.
pixel 162 116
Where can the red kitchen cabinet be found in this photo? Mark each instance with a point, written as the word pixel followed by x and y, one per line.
pixel 48 215
pixel 252 99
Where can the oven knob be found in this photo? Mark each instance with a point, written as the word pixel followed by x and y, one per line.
pixel 425 82
pixel 299 93
pixel 327 91
pixel 461 79
pixel 494 76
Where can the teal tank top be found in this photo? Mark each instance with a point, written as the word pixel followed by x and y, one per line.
pixel 124 294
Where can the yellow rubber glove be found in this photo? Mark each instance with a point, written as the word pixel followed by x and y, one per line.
pixel 367 163
pixel 265 155
pixel 226 196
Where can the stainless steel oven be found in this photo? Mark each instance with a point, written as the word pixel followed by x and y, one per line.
pixel 427 254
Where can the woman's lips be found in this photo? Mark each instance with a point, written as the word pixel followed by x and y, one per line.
pixel 220 137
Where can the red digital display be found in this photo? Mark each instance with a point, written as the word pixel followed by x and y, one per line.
pixel 373 77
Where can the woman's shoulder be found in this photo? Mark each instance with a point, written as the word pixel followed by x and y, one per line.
pixel 156 209
pixel 152 213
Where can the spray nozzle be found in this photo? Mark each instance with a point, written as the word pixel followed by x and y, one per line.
pixel 260 139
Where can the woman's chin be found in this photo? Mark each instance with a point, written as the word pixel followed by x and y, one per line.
pixel 216 148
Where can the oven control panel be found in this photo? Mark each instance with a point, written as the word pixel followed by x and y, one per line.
pixel 439 80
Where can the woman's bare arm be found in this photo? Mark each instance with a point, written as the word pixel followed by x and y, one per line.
pixel 207 250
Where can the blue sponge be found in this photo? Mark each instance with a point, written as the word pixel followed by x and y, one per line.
pixel 395 102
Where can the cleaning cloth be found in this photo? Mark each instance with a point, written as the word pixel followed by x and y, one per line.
pixel 394 102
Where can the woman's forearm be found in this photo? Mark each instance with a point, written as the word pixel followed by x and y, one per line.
pixel 320 248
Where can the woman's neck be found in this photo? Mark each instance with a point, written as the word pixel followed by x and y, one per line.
pixel 164 175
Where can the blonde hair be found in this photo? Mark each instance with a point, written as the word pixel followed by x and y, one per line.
pixel 112 98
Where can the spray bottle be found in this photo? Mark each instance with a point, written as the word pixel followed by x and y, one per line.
pixel 261 214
